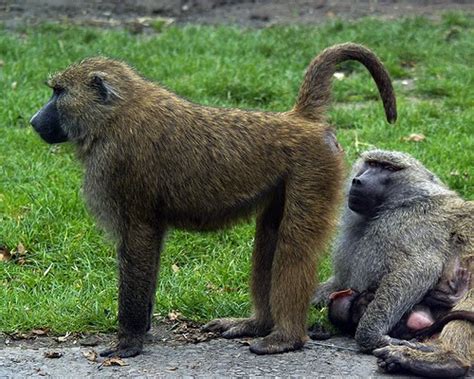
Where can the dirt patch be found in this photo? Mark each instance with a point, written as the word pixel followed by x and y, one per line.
pixel 256 13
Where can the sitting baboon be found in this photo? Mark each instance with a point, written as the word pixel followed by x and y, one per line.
pixel 154 160
pixel 400 227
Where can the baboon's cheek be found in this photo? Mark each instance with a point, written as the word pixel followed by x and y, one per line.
pixel 47 125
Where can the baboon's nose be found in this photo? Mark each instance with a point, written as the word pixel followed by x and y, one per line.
pixel 356 181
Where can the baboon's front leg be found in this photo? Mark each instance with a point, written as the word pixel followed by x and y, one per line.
pixel 139 256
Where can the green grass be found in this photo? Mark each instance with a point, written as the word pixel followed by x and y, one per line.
pixel 68 279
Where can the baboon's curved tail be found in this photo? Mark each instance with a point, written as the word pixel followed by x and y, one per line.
pixel 315 91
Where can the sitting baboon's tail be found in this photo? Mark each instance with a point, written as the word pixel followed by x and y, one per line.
pixel 315 91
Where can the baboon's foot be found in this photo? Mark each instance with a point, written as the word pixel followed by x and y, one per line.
pixel 238 327
pixel 276 343
pixel 319 332
pixel 438 364
pixel 412 344
pixel 128 346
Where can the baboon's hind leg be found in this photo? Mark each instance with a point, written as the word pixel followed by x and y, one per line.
pixel 303 231
pixel 261 322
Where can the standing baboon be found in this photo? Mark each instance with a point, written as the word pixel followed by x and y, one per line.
pixel 154 160
pixel 401 226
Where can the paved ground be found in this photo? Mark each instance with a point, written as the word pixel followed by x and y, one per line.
pixel 254 13
pixel 217 357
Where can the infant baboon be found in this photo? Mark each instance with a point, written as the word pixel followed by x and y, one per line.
pixel 401 226
pixel 154 160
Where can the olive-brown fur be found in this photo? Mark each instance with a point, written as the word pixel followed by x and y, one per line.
pixel 154 160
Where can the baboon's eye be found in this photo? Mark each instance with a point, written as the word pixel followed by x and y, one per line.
pixel 392 168
pixel 373 163
pixel 57 90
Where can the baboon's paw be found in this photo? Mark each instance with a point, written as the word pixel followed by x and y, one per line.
pixel 128 346
pixel 319 332
pixel 412 344
pixel 390 358
pixel 127 352
pixel 236 328
pixel 434 365
pixel 276 343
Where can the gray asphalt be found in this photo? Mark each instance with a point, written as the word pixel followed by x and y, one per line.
pixel 218 357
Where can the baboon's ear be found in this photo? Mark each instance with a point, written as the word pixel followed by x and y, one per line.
pixel 105 90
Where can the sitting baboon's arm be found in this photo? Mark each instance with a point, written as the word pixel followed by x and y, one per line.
pixel 398 292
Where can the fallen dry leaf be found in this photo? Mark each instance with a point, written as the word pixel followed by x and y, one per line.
pixel 414 137
pixel 175 268
pixel 90 355
pixel 20 249
pixel 18 255
pixel 53 354
pixel 114 361
pixel 174 315
pixel 190 332
pixel 4 254
pixel 62 338
pixel 40 332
